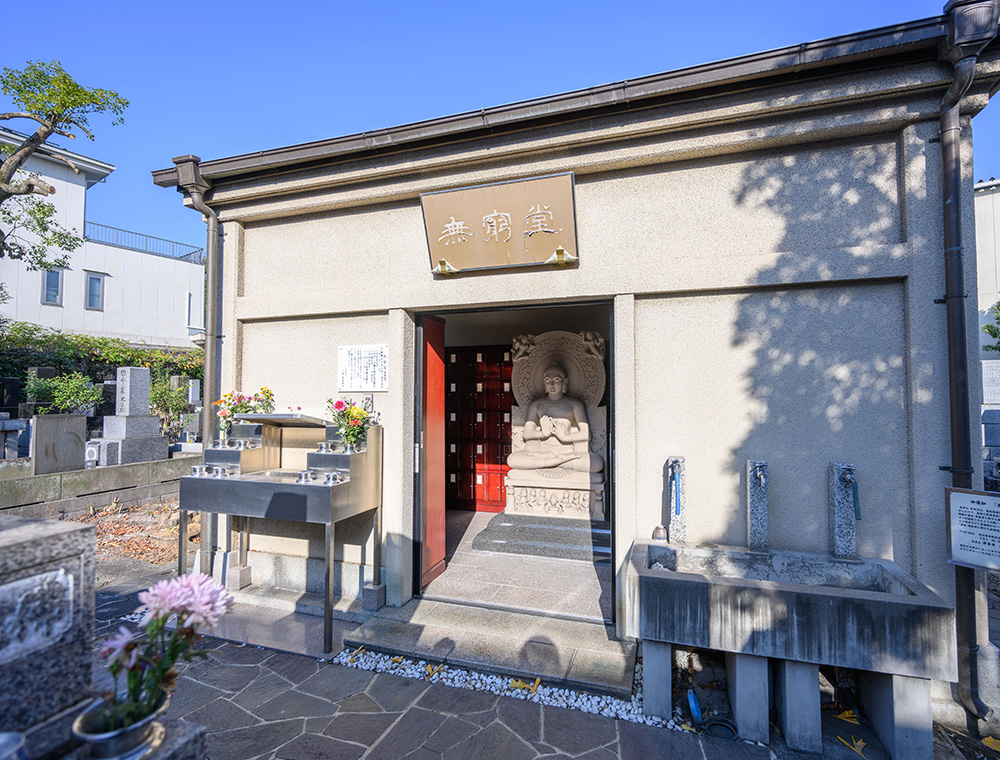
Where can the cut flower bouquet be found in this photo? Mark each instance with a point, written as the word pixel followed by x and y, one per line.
pixel 237 402
pixel 352 421
pixel 147 664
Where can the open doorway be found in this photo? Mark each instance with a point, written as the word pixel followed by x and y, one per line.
pixel 497 553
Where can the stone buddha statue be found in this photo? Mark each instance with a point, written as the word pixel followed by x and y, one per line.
pixel 556 431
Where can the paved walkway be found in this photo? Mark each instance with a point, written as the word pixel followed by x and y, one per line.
pixel 568 588
pixel 260 703
pixel 270 705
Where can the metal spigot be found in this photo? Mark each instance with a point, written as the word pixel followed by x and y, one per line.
pixel 761 472
pixel 848 477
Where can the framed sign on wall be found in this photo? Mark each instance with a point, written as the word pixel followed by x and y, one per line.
pixel 363 369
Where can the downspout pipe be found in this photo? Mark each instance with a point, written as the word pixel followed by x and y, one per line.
pixel 972 25
pixel 195 186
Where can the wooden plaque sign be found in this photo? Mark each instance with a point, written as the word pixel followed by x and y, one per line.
pixel 528 222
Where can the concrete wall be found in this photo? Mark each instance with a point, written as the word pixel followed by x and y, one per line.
pixel 67 494
pixel 777 377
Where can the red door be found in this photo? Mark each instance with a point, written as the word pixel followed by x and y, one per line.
pixel 478 399
pixel 432 450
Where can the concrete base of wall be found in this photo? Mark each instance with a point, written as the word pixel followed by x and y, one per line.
pixel 749 695
pixel 899 709
pixel 307 574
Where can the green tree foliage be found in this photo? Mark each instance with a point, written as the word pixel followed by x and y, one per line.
pixel 45 94
pixel 993 330
pixel 24 345
pixel 169 404
pixel 70 394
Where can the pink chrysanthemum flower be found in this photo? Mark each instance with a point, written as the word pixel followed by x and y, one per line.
pixel 204 600
pixel 121 649
pixel 339 405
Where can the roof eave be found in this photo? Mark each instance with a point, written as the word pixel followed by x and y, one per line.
pixel 872 44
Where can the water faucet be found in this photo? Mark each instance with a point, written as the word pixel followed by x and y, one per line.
pixel 676 481
pixel 848 477
pixel 761 472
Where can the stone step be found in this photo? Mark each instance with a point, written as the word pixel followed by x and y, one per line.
pixel 297 601
pixel 563 653
pixel 546 537
pixel 513 608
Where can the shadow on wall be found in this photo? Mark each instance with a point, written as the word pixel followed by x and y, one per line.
pixel 827 378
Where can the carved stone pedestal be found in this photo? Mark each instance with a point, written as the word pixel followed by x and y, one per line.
pixel 556 493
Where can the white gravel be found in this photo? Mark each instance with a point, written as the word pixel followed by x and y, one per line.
pixel 508 686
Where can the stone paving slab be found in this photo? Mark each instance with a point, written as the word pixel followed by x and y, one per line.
pixel 260 704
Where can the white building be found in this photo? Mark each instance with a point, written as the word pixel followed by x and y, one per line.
pixel 119 284
pixel 987 252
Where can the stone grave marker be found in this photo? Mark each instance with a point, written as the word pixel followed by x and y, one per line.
pixel 10 395
pixel 135 430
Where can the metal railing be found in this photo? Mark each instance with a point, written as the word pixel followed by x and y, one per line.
pixel 136 241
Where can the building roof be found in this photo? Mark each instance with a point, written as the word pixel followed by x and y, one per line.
pixel 93 169
pixel 913 40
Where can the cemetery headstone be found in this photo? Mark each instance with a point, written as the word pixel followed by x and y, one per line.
pixel 10 395
pixel 10 431
pixel 57 443
pixel 135 430
pixel 47 594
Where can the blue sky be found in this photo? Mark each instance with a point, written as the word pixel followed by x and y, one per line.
pixel 220 78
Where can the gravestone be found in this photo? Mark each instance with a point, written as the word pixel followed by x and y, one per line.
pixel 41 402
pixel 10 395
pixel 10 432
pixel 47 596
pixel 191 423
pixel 104 408
pixel 57 443
pixel 109 399
pixel 135 430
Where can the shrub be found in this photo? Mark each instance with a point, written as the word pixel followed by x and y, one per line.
pixel 23 345
pixel 169 404
pixel 71 394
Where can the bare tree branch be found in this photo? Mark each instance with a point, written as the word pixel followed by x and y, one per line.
pixel 27 187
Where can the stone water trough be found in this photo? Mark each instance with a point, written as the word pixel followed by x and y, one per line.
pixel 791 612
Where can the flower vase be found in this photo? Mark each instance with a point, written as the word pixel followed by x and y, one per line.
pixel 129 743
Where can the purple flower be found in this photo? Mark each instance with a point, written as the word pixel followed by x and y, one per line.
pixel 195 598
pixel 121 649
pixel 205 600
pixel 162 600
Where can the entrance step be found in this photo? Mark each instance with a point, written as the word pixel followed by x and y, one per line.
pixel 565 538
pixel 563 653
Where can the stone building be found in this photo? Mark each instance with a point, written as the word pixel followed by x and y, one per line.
pixel 758 241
